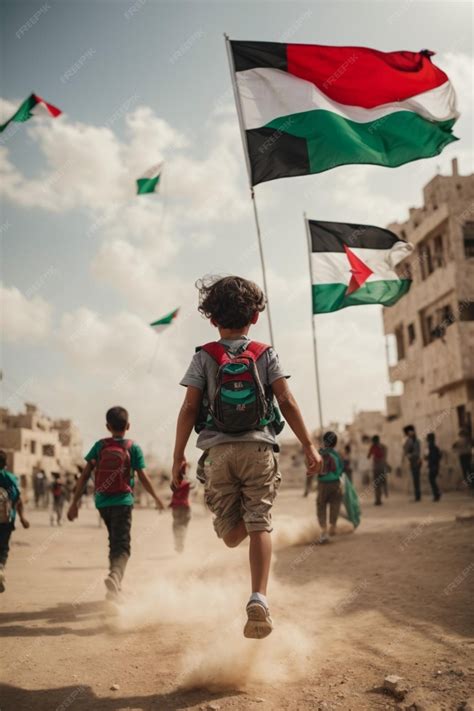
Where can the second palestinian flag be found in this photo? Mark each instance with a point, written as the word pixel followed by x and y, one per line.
pixel 31 106
pixel 308 108
pixel 149 182
pixel 162 323
pixel 354 265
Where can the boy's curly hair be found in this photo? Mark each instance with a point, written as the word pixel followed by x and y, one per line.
pixel 230 301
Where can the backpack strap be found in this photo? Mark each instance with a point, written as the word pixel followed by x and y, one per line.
pixel 216 351
pixel 256 349
pixel 219 353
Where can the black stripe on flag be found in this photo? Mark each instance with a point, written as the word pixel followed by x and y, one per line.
pixel 275 154
pixel 250 55
pixel 332 236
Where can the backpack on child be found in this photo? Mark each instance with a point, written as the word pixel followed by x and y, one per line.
pixel 114 467
pixel 6 506
pixel 241 403
pixel 57 490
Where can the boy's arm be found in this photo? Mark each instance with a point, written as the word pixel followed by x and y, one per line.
pixel 73 510
pixel 186 421
pixel 291 413
pixel 148 486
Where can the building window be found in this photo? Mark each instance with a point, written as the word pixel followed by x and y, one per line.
pixel 466 311
pixel 33 447
pixel 468 237
pixel 426 261
pixel 48 450
pixel 464 419
pixel 438 257
pixel 400 343
pixel 434 324
pixel 411 333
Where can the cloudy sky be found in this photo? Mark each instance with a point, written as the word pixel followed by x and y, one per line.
pixel 86 264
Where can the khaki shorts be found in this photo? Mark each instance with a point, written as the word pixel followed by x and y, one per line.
pixel 240 482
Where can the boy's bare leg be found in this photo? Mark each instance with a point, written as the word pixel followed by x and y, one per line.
pixel 260 555
pixel 236 535
pixel 259 623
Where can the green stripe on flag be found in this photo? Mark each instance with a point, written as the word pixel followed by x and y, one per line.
pixel 23 113
pixel 147 185
pixel 166 319
pixel 391 140
pixel 332 297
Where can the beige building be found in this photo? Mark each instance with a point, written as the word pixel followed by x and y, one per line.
pixel 433 325
pixel 35 442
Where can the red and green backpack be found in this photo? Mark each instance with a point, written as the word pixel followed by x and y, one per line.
pixel 241 402
pixel 113 470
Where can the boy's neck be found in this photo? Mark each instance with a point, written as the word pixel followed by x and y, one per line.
pixel 118 435
pixel 233 334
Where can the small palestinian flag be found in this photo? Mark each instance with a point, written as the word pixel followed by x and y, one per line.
pixel 308 108
pixel 164 322
pixel 354 265
pixel 32 106
pixel 150 180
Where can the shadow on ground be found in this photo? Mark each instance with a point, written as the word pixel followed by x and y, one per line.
pixel 82 698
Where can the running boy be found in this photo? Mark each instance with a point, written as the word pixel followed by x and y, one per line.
pixel 10 503
pixel 114 461
pixel 230 385
pixel 329 487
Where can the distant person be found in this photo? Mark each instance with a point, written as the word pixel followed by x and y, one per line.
pixel 114 461
pixel 347 461
pixel 463 448
pixel 231 385
pixel 433 458
pixel 181 510
pixel 59 495
pixel 329 487
pixel 378 454
pixel 10 503
pixel 412 451
pixel 39 488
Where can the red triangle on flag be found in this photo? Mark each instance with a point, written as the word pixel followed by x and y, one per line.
pixel 359 270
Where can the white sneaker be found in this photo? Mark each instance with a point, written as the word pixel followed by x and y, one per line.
pixel 323 538
pixel 2 580
pixel 259 623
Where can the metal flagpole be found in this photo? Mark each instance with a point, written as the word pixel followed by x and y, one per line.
pixel 249 174
pixel 315 348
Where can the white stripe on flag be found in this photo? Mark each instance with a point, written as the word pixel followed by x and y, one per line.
pixel 334 267
pixel 267 94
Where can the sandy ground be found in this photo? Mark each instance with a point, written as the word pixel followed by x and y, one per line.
pixel 393 598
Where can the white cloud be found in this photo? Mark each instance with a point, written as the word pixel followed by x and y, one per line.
pixel 24 320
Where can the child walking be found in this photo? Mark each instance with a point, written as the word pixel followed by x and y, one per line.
pixel 181 510
pixel 10 503
pixel 114 461
pixel 230 389
pixel 329 487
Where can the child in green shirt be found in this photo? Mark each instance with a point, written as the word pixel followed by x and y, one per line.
pixel 114 461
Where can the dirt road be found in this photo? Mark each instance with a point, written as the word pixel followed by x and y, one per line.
pixel 393 598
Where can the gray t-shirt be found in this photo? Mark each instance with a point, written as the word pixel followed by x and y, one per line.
pixel 202 373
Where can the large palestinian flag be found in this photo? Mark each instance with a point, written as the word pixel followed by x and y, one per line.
pixel 307 108
pixel 354 265
pixel 32 106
